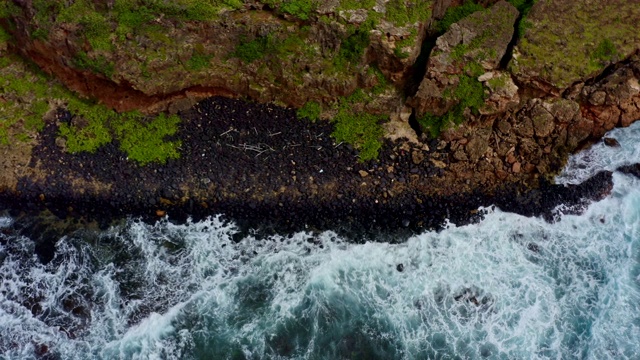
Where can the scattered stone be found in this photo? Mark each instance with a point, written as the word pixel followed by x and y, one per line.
pixel 533 247
pixel 363 173
pixel 516 167
pixel 611 142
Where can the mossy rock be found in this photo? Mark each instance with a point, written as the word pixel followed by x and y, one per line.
pixel 571 40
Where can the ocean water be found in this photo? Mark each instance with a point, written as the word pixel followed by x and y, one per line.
pixel 509 287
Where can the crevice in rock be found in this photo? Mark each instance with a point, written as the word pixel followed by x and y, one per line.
pixel 606 72
pixel 419 67
pixel 415 125
pixel 508 55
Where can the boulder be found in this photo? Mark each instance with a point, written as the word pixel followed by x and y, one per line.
pixel 470 47
pixel 567 41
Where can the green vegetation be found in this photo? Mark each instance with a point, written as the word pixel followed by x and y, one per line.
pixel 92 132
pixel 604 53
pixel 551 50
pixel 352 48
pixel 4 35
pixel 401 12
pixel 362 130
pixel 469 93
pixel 198 61
pixel 250 51
pixel 145 141
pixel 8 9
pixel 457 13
pixel 28 93
pixel 311 110
pixel 298 8
pixel 523 7
pixel 406 42
pixel 98 65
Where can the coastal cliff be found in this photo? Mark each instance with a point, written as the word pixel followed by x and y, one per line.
pixel 410 106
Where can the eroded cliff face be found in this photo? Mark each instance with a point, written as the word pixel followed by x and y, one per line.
pixel 138 57
pixel 488 93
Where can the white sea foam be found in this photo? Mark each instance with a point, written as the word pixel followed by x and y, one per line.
pixel 599 156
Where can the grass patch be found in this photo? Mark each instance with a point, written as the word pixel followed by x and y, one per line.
pixel 250 51
pixel 352 48
pixel 98 65
pixel 401 12
pixel 457 13
pixel 198 61
pixel 604 53
pixel 28 93
pixel 301 9
pixel 4 35
pixel 145 141
pixel 523 6
pixel 408 41
pixel 94 131
pixel 361 130
pixel 8 9
pixel 311 110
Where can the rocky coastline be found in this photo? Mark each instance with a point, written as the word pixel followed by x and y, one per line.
pixel 270 172
pixel 456 105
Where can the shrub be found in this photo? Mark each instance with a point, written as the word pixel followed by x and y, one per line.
pixel 298 8
pixel 145 141
pixel 252 50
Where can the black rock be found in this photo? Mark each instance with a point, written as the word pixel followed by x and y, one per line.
pixel 611 142
pixel 400 267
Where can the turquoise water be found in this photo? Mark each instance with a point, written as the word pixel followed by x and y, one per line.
pixel 509 287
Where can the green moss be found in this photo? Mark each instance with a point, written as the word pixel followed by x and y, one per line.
pixel 356 4
pixel 145 141
pixel 301 9
pixel 558 46
pixel 408 41
pixel 470 95
pixel 28 93
pixel 353 47
pixel 361 130
pixel 8 9
pixel 382 83
pixel 99 64
pixel 4 35
pixel 402 12
pixel 94 131
pixel 40 34
pixel 457 13
pixel 250 51
pixel 199 61
pixel 311 110
pixel 605 52
pixel 498 82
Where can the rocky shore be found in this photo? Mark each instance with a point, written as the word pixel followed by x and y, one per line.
pixel 408 112
pixel 264 168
